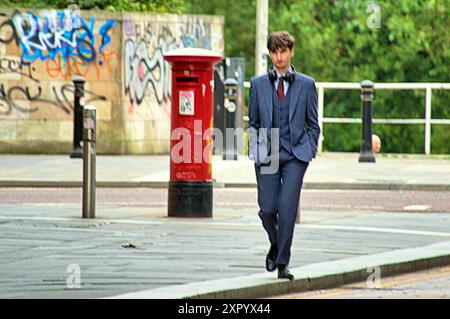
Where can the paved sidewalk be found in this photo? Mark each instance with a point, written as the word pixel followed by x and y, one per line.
pixel 328 170
pixel 138 252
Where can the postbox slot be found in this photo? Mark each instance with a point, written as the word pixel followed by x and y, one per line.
pixel 190 79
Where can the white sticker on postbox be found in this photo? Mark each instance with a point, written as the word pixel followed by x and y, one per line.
pixel 187 102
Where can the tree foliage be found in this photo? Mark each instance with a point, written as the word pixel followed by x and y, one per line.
pixel 175 6
pixel 334 43
pixel 239 29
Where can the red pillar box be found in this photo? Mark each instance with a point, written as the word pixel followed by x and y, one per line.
pixel 190 185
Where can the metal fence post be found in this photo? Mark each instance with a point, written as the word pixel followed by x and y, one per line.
pixel 320 107
pixel 428 121
pixel 89 156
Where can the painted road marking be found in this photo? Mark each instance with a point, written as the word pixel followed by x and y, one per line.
pixel 417 207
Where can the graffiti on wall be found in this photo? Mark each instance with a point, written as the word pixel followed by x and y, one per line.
pixel 40 52
pixel 63 39
pixel 144 66
pixel 146 72
pixel 140 70
pixel 16 66
pixel 61 98
pixel 193 33
pixel 61 43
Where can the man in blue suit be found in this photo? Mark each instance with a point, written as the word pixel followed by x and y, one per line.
pixel 283 137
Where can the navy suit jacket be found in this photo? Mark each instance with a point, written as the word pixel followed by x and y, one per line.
pixel 303 118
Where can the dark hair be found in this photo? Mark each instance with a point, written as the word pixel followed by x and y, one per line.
pixel 280 40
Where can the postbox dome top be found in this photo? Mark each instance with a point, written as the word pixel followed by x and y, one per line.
pixel 192 55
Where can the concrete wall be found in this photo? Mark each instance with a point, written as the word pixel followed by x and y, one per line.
pixel 120 55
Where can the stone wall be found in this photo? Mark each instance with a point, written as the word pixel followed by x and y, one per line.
pixel 119 55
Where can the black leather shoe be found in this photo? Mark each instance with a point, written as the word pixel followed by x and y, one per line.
pixel 283 272
pixel 270 258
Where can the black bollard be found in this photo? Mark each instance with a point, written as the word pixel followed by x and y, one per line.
pixel 366 153
pixel 78 102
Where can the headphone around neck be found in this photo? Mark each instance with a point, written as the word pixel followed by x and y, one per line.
pixel 288 77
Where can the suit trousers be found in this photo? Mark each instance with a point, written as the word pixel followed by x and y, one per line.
pixel 278 200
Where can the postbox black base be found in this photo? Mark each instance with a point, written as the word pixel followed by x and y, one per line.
pixel 190 199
